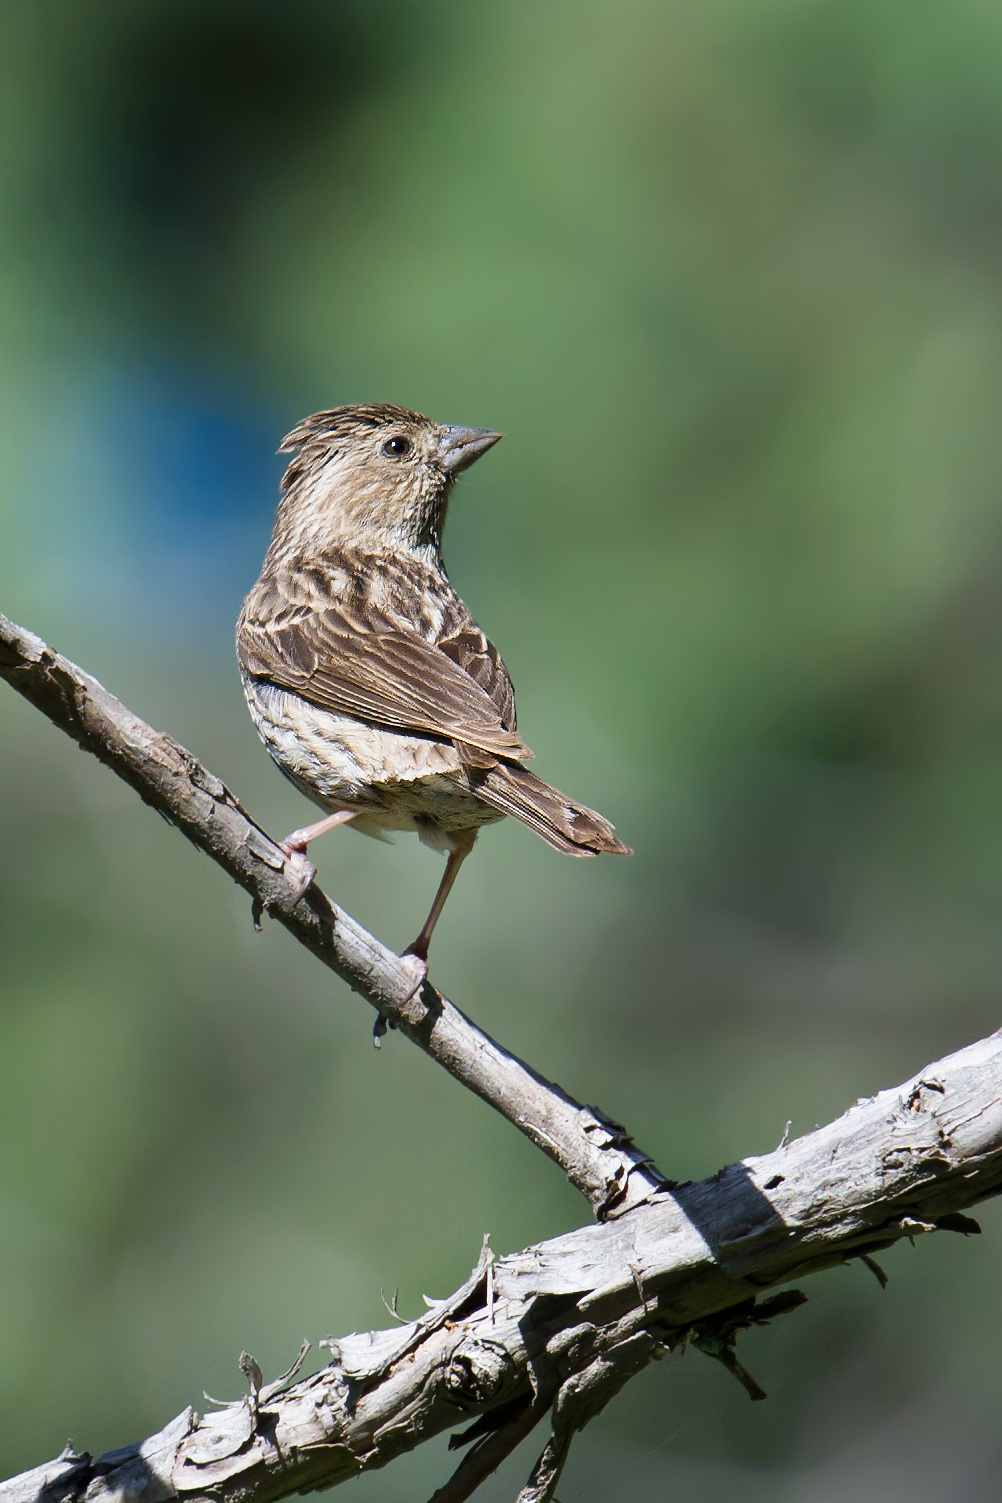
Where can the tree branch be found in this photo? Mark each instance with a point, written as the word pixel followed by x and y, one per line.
pixel 561 1326
pixel 595 1153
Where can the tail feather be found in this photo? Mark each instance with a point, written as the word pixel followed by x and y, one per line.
pixel 567 826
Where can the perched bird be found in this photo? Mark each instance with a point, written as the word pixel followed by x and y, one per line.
pixel 367 678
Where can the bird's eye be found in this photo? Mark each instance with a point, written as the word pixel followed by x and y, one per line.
pixel 396 448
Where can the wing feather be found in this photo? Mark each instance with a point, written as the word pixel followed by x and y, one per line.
pixel 455 689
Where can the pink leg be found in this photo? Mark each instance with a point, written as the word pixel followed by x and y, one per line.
pixel 300 839
pixel 294 845
pixel 464 844
pixel 416 955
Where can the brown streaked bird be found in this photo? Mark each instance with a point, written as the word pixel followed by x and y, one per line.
pixel 367 678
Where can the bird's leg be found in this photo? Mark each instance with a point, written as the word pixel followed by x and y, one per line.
pixel 456 858
pixel 300 839
pixel 417 953
pixel 294 845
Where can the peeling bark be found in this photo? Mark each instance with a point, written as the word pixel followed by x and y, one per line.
pixel 557 1328
pixel 560 1327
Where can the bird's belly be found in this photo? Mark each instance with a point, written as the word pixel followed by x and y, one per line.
pixel 396 782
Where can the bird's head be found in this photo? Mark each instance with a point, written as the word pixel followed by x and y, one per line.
pixel 377 476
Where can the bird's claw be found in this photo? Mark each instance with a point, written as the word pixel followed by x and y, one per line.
pixel 417 968
pixel 299 868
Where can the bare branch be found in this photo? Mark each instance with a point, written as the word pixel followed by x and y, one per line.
pixel 596 1154
pixel 562 1326
pixel 574 1318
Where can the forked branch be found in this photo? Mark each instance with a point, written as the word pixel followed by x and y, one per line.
pixel 560 1327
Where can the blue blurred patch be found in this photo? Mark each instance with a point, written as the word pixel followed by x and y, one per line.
pixel 204 456
pixel 174 479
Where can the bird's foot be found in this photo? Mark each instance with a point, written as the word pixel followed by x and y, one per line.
pixel 416 965
pixel 379 1028
pixel 298 867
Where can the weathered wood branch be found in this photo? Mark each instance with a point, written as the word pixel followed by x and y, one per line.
pixel 562 1326
pixel 595 1153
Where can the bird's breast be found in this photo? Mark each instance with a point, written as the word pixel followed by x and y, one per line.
pixel 397 782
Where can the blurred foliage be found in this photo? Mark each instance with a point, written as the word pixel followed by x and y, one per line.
pixel 729 277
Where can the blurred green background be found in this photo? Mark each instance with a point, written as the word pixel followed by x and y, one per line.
pixel 729 277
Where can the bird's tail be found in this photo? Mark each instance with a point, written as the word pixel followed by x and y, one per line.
pixel 567 826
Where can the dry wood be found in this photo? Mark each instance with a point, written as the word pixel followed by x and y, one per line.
pixel 595 1153
pixel 571 1320
pixel 559 1327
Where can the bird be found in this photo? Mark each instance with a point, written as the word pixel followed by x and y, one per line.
pixel 366 676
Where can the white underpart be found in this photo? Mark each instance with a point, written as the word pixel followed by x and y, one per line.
pixel 396 782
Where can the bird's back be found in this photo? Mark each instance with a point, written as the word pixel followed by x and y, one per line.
pixel 354 638
pixel 326 726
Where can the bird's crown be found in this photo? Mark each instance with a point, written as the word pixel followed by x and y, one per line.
pixel 375 472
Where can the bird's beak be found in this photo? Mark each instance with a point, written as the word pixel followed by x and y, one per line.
pixel 459 447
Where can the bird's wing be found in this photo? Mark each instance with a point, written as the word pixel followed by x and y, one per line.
pixel 457 690
pixel 474 652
